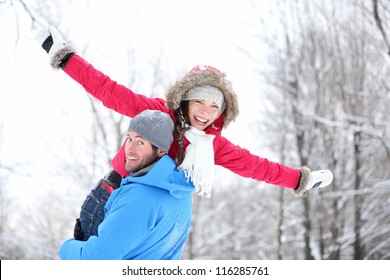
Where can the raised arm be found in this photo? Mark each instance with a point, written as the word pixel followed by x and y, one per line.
pixel 113 95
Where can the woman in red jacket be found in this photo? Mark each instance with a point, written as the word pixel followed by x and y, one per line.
pixel 200 104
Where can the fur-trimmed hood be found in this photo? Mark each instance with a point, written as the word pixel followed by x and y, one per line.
pixel 204 75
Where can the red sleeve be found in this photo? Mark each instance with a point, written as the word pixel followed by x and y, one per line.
pixel 109 92
pixel 245 164
pixel 118 162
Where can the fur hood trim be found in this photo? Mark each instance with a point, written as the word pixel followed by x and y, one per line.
pixel 208 76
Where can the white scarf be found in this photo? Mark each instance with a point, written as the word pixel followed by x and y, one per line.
pixel 198 164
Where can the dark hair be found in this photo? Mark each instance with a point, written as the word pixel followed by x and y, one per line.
pixel 181 125
pixel 154 149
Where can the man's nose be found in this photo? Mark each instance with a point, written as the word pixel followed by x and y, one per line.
pixel 130 146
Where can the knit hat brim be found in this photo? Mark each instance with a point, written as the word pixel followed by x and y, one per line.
pixel 155 127
pixel 207 92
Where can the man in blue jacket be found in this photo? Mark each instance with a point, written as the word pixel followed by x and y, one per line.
pixel 149 216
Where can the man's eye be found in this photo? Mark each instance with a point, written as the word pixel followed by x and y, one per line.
pixel 128 138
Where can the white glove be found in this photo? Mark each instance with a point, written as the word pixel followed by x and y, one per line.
pixel 51 40
pixel 319 179
pixel 314 179
pixel 53 43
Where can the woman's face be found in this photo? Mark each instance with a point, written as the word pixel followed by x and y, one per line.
pixel 202 113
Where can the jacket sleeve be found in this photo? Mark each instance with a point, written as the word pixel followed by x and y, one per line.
pixel 128 219
pixel 245 164
pixel 119 161
pixel 110 93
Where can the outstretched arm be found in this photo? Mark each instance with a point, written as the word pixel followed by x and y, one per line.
pixel 113 95
pixel 245 164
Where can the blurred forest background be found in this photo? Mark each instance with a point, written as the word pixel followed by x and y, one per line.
pixel 312 82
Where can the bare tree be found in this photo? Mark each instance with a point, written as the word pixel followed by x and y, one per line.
pixel 328 70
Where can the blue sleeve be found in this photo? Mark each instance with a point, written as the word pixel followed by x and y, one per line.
pixel 128 220
pixel 71 249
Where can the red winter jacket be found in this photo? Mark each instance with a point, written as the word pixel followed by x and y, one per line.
pixel 129 103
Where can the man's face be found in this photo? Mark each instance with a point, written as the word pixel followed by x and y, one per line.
pixel 139 152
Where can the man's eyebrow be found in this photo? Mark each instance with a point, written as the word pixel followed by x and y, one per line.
pixel 139 137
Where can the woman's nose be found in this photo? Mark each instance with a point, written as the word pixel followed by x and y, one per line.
pixel 206 109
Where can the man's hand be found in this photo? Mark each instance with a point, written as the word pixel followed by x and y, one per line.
pixel 78 233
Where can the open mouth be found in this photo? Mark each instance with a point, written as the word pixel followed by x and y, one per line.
pixel 132 158
pixel 201 120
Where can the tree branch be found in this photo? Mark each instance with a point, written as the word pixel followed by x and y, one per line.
pixel 379 24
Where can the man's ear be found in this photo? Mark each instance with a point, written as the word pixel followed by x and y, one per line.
pixel 160 153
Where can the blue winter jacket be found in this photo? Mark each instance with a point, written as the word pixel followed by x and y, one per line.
pixel 147 218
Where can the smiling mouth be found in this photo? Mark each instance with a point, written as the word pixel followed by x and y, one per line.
pixel 132 158
pixel 200 120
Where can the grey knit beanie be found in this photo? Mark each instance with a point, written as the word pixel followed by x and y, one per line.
pixel 206 92
pixel 155 127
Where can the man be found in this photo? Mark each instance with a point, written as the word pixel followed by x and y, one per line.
pixel 149 216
